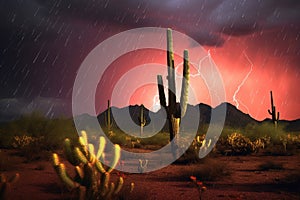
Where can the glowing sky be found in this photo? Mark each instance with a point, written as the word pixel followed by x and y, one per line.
pixel 43 44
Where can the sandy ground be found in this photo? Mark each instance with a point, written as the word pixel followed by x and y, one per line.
pixel 38 180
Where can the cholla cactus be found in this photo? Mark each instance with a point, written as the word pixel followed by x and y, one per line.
pixel 24 141
pixel 262 142
pixel 5 185
pixel 92 179
pixel 240 144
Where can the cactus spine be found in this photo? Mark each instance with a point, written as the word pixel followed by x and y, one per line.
pixel 174 110
pixel 142 119
pixel 5 185
pixel 92 179
pixel 272 112
pixel 108 117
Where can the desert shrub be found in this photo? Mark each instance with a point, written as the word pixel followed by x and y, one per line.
pixel 36 126
pixel 118 137
pixel 199 144
pixel 239 144
pixel 23 141
pixel 265 129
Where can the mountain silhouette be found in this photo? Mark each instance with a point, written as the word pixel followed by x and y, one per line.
pixel 128 117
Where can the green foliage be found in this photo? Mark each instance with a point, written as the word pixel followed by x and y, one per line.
pixel 158 140
pixel 92 179
pixel 49 132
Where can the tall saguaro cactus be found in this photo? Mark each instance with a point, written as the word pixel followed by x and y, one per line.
pixel 108 117
pixel 142 119
pixel 174 109
pixel 272 112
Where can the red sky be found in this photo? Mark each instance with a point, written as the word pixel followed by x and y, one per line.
pixel 43 43
pixel 271 70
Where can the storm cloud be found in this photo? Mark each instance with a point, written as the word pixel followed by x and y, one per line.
pixel 42 43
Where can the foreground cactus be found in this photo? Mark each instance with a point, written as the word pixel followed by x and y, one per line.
pixel 5 185
pixel 174 110
pixel 272 112
pixel 92 179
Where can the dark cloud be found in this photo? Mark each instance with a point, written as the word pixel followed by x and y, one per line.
pixel 42 43
pixel 12 108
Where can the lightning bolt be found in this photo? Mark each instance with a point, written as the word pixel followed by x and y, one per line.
pixel 198 69
pixel 237 103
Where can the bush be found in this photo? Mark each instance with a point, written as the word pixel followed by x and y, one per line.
pixel 240 144
pixel 33 126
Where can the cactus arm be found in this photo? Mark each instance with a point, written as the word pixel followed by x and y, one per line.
pixel 79 172
pixel 88 179
pixel 102 143
pixel 269 112
pixel 100 167
pixel 108 117
pixel 80 156
pixel 116 158
pixel 69 152
pixel 185 83
pixel 5 185
pixel 277 116
pixel 55 159
pixel 161 92
pixel 110 191
pixel 171 73
pixel 104 183
pixel 272 105
pixel 84 137
pixel 61 170
pixel 119 185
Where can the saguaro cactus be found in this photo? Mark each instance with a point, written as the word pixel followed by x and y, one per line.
pixel 174 109
pixel 91 179
pixel 108 117
pixel 272 112
pixel 142 119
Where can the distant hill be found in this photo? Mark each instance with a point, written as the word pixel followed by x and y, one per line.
pixel 234 117
pixel 127 117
